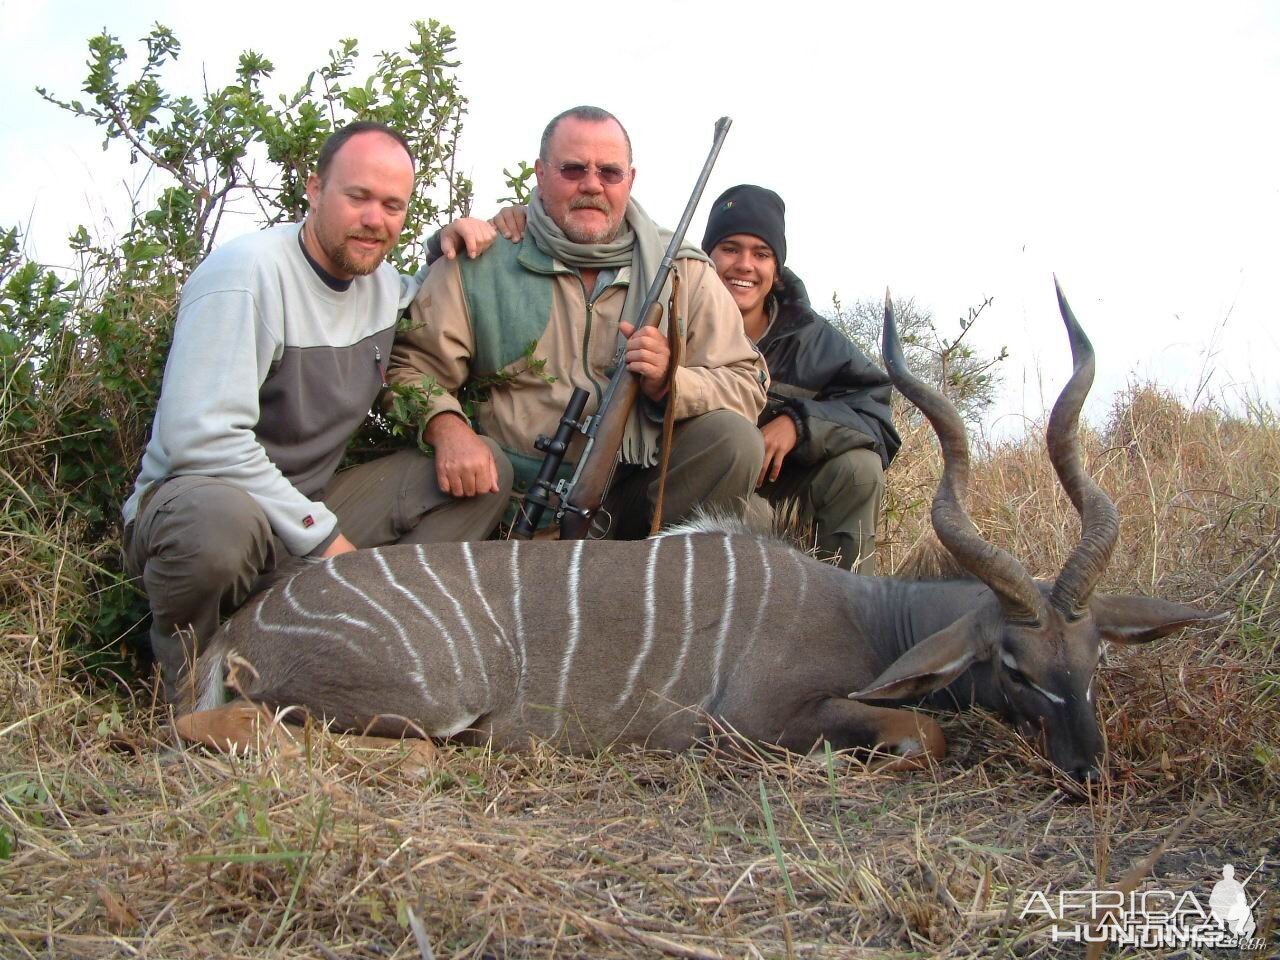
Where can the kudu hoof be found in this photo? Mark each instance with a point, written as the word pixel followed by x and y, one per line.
pixel 914 742
pixel 418 756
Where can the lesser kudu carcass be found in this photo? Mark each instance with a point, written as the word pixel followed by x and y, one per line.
pixel 591 644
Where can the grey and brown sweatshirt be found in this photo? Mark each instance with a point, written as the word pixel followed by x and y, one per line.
pixel 270 373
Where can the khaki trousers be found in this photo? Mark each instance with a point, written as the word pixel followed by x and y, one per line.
pixel 715 460
pixel 203 546
pixel 841 498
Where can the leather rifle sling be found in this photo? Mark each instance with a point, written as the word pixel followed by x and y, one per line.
pixel 676 345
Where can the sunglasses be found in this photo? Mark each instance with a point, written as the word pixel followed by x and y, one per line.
pixel 609 174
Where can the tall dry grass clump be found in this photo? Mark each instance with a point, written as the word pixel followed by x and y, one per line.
pixel 1198 492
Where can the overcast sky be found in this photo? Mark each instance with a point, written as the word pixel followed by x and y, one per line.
pixel 950 151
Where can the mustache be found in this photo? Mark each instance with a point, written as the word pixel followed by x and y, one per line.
pixel 359 235
pixel 591 203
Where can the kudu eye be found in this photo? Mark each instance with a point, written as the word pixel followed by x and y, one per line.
pixel 1011 668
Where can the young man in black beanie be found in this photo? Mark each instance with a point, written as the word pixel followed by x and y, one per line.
pixel 827 428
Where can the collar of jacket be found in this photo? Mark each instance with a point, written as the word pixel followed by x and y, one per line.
pixel 534 259
pixel 794 311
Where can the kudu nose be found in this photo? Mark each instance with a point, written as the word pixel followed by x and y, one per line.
pixel 1085 773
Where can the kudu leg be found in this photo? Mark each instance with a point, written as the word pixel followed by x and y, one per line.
pixel 241 726
pixel 238 726
pixel 913 739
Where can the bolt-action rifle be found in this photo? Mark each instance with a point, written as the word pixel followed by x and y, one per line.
pixel 577 499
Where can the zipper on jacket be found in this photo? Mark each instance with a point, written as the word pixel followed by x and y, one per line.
pixel 590 302
pixel 377 361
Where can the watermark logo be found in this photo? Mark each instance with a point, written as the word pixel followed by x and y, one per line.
pixel 1152 919
pixel 1229 904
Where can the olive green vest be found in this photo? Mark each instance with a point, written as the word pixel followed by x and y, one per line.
pixel 509 295
pixel 508 300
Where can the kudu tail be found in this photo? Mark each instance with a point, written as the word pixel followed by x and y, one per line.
pixel 209 691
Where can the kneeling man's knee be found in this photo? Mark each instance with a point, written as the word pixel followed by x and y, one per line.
pixel 855 476
pixel 715 462
pixel 729 440
pixel 214 533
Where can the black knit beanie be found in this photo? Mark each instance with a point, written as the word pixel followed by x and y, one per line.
pixel 747 208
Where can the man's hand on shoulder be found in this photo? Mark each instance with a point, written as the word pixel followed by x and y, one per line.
pixel 340 545
pixel 510 222
pixel 470 234
pixel 464 462
pixel 648 357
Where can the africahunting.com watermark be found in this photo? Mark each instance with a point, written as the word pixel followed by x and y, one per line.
pixel 1152 918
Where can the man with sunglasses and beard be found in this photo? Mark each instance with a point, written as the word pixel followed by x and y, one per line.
pixel 516 328
pixel 278 352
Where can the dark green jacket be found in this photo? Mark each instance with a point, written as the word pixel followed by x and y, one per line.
pixel 839 398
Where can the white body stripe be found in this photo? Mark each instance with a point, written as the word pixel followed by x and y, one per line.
pixel 395 624
pixel 803 591
pixel 299 610
pixel 686 632
pixel 726 617
pixel 324 633
pixel 766 588
pixel 436 621
pixel 499 634
pixel 517 617
pixel 575 628
pixel 420 667
pixel 650 622
pixel 462 617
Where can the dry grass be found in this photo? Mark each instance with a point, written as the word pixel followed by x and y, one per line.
pixel 119 844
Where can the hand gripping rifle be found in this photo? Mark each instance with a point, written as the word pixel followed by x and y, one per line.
pixel 580 497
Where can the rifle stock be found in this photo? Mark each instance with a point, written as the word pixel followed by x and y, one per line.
pixel 591 480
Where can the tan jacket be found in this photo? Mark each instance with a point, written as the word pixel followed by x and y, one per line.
pixel 721 368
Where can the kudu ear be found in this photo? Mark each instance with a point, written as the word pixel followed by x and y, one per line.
pixel 930 665
pixel 1124 618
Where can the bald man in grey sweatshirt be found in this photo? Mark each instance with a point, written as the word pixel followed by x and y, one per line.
pixel 279 351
